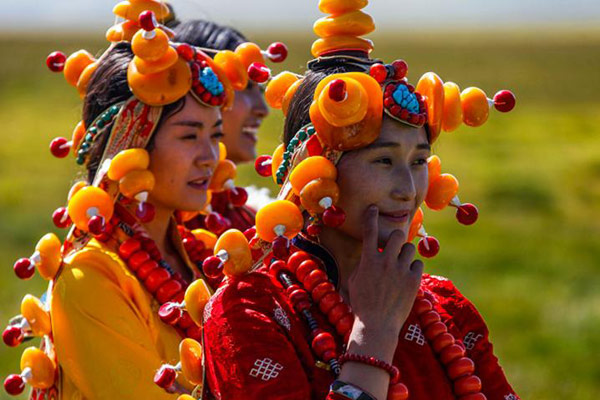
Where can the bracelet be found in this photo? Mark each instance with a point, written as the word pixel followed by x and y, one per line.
pixel 345 391
pixel 374 362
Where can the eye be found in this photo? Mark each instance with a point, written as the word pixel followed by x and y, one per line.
pixel 420 161
pixel 384 160
pixel 217 135
pixel 189 136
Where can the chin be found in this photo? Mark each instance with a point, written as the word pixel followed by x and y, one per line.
pixel 193 203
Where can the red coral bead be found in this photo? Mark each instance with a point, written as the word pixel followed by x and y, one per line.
pixel 215 223
pixel 147 20
pixel 305 268
pixel 59 147
pixel 156 278
pixel 185 51
pixel 321 290
pixel 165 376
pixel 276 267
pixel 314 146
pixel 24 268
pixel 378 72
pixel 344 325
pixel 194 332
pixel 400 69
pixel 97 225
pixel 128 247
pixel 296 259
pixel 404 114
pixel 337 312
pixel 323 342
pixel 461 367
pixel 185 321
pixel 258 72
pixel 146 269
pixel 170 313
pixel 329 301
pixel 504 101
pixel 212 267
pixel 334 217
pixel 467 214
pixel 435 329
pixel 168 290
pixel 277 52
pixel 250 233
pixel 314 229
pixel 298 295
pixel 474 396
pixel 13 336
pixel 337 90
pixel 442 341
pixel 428 247
pixel 398 391
pixel 56 61
pixel 281 247
pixel 467 385
pixel 60 218
pixel 422 306
pixel 14 384
pixel 145 212
pixel 451 353
pixel 262 165
pixel 314 278
pixel 429 318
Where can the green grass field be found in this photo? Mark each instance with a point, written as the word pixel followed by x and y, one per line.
pixel 530 264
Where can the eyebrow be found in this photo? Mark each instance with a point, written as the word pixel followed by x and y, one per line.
pixel 420 146
pixel 197 124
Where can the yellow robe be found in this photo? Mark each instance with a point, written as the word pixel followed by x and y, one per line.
pixel 108 337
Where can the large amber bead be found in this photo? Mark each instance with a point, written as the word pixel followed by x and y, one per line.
pixel 88 201
pixel 126 161
pixel 341 6
pixel 434 168
pixel 441 191
pixel 84 79
pixel 152 67
pixel 190 355
pixel 351 110
pixel 208 238
pixel 276 161
pixel 431 87
pixel 136 182
pixel 239 259
pixel 42 368
pixel 132 9
pixel 315 191
pixel 277 88
pixel 123 31
pixel 222 151
pixel 49 248
pixel 325 45
pixel 280 213
pixel 354 23
pixel 453 116
pixel 231 64
pixel 161 88
pixel 75 65
pixel 36 315
pixel 415 225
pixel 226 170
pixel 475 106
pixel 249 53
pixel 309 169
pixel 196 297
pixel 77 137
pixel 150 49
pixel 289 94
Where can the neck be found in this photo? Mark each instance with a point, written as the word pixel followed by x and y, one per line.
pixel 158 229
pixel 347 252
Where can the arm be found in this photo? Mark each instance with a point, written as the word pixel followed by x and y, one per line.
pixel 104 335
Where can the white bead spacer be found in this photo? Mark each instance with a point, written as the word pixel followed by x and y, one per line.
pixel 326 202
pixel 455 201
pixel 279 230
pixel 223 255
pixel 27 374
pixel 92 212
pixel 36 258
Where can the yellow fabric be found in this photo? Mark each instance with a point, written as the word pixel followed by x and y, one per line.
pixel 109 340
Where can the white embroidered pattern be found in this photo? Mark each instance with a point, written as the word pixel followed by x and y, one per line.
pixel 511 397
pixel 282 318
pixel 266 369
pixel 470 339
pixel 415 334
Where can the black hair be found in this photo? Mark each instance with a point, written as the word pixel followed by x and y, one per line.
pixel 108 86
pixel 202 33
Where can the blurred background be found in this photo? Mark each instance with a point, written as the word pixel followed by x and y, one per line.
pixel 530 264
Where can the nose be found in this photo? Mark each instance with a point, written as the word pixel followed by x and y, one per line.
pixel 259 106
pixel 404 186
pixel 207 155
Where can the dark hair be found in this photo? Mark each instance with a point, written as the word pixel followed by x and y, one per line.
pixel 202 33
pixel 108 86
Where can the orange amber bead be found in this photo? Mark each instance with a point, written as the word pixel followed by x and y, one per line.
pixel 289 94
pixel 75 65
pixel 431 87
pixel 249 53
pixel 324 45
pixel 309 169
pixel 152 67
pixel 208 238
pixel 42 368
pixel 277 88
pixel 75 188
pixel 351 110
pixel 280 214
pixel 475 106
pixel 132 9
pixel 452 117
pixel 434 168
pixel 353 136
pixel 162 88
pixel 123 31
pixel 315 191
pixel 225 171
pixel 222 151
pixel 229 92
pixel 88 201
pixel 276 161
pixel 415 225
pixel 441 191
pixel 49 248
pixel 84 79
pixel 341 6
pixel 196 297
pixel 239 257
pixel 36 315
pixel 150 49
pixel 78 134
pixel 136 182
pixel 127 161
pixel 353 23
pixel 190 355
pixel 231 64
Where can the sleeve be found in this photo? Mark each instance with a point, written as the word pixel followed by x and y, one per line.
pixel 475 335
pixel 249 355
pixel 104 339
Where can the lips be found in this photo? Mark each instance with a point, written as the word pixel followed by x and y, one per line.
pixel 200 183
pixel 398 216
pixel 251 131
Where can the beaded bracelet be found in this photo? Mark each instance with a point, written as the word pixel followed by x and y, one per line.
pixel 374 362
pixel 345 391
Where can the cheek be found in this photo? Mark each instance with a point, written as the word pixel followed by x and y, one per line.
pixel 359 187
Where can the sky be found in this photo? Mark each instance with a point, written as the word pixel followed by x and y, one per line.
pixel 94 15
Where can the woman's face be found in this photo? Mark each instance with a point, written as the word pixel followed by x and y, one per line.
pixel 184 156
pixel 391 174
pixel 241 123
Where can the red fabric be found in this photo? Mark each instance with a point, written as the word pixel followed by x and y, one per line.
pixel 244 330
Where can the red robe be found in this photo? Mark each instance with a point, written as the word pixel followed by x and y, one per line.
pixel 257 346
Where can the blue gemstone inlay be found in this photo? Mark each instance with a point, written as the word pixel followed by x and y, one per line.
pixel 211 82
pixel 406 99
